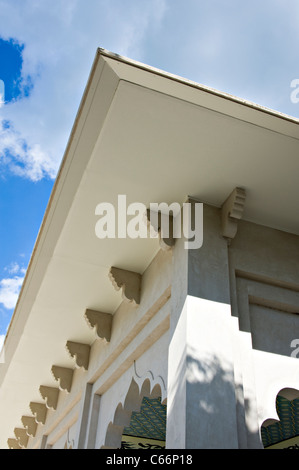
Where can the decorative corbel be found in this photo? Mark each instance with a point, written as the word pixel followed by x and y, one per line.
pixel 13 444
pixel 64 376
pixel 39 410
pixel 128 281
pixel 154 222
pixel 102 322
pixel 231 212
pixel 80 352
pixel 30 425
pixel 50 395
pixel 21 436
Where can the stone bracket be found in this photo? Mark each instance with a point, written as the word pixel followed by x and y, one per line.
pixel 128 281
pixel 50 395
pixel 102 322
pixel 21 436
pixel 30 425
pixel 155 225
pixel 64 376
pixel 232 212
pixel 13 444
pixel 80 352
pixel 39 410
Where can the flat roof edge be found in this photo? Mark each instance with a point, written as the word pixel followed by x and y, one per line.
pixel 250 104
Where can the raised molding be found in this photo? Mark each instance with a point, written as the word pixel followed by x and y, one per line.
pixel 13 444
pixel 30 425
pixel 50 395
pixel 128 281
pixel 251 290
pixel 64 376
pixel 232 212
pixel 154 225
pixel 101 322
pixel 39 410
pixel 80 352
pixel 21 436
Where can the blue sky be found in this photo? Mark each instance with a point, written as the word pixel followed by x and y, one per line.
pixel 248 49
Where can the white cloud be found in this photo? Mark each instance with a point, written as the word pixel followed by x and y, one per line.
pixel 10 286
pixel 247 50
pixel 61 38
pixel 23 160
pixel 15 268
pixel 9 291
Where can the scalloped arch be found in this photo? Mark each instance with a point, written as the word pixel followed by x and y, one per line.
pixel 275 430
pixel 123 412
pixel 153 380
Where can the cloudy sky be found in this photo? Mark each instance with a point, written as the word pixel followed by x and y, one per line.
pixel 245 48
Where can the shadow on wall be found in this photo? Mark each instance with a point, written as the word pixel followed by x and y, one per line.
pixel 216 409
pixel 215 413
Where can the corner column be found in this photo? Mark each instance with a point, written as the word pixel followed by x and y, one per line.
pixel 201 405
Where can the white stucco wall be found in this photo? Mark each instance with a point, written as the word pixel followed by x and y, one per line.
pixel 212 334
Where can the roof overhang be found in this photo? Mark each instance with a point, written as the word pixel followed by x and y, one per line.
pixel 153 137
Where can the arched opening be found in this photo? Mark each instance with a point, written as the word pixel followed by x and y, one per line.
pixel 283 433
pixel 140 423
pixel 147 428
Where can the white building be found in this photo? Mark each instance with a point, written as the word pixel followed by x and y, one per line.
pixel 123 340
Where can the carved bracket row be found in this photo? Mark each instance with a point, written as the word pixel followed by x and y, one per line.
pixel 231 213
pixel 130 283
